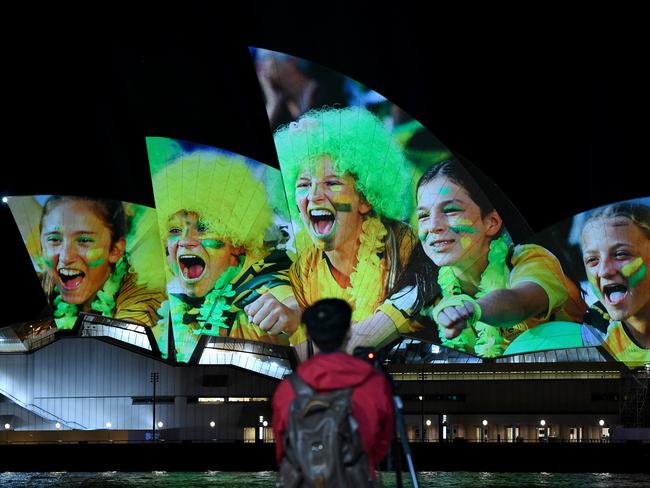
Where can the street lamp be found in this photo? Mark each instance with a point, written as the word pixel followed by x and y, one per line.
pixel 7 426
pixel 57 425
pixel 160 424
pixel 485 422
pixel 601 422
pixel 155 377
pixel 542 422
pixel 212 424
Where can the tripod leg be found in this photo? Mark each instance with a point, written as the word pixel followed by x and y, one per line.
pixel 399 420
pixel 397 458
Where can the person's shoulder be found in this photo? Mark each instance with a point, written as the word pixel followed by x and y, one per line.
pixel 524 252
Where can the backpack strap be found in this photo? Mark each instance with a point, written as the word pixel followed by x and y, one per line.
pixel 300 388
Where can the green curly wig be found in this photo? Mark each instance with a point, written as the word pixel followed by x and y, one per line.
pixel 219 188
pixel 358 144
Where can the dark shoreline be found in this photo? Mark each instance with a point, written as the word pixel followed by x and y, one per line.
pixel 630 457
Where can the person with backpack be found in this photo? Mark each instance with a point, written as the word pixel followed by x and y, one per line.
pixel 333 418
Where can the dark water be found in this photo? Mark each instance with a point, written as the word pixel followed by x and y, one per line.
pixel 267 479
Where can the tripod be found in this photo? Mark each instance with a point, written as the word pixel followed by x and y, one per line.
pixel 399 427
pixel 369 354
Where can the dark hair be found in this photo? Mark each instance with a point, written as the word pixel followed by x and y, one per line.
pixel 328 322
pixel 638 213
pixel 110 211
pixel 458 174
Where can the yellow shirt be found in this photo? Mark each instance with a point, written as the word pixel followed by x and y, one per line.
pixel 137 303
pixel 533 263
pixel 256 277
pixel 619 344
pixel 312 279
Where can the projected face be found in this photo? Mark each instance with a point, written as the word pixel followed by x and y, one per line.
pixel 330 206
pixel 450 226
pixel 616 254
pixel 195 255
pixel 76 245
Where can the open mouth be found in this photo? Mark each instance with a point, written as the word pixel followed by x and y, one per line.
pixel 192 267
pixel 71 278
pixel 322 222
pixel 615 294
pixel 442 244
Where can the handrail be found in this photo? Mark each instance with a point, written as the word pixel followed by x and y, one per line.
pixel 45 414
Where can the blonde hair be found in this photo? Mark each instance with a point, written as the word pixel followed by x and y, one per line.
pixel 221 190
pixel 638 213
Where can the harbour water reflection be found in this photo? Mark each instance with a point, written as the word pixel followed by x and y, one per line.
pixel 266 479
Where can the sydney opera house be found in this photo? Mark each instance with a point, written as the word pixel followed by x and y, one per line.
pixel 158 300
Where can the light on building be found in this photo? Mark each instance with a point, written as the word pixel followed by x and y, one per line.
pixel 542 422
pixel 485 422
pixel 212 424
pixel 420 398
pixel 601 422
pixel 109 425
pixel 7 426
pixel 428 422
pixel 5 199
pixel 160 424
pixel 265 423
pixel 57 425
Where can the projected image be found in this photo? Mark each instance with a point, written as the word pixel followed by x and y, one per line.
pixel 223 224
pixel 616 251
pixel 607 249
pixel 356 166
pixel 293 86
pixel 93 255
pixel 491 290
pixel 352 238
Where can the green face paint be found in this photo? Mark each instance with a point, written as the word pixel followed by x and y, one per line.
pixel 451 208
pixel 97 262
pixel 302 192
pixel 336 188
pixel 632 267
pixel 462 229
pixel 48 262
pixel 93 254
pixel 422 237
pixel 637 277
pixel 343 207
pixel 212 243
pixel 465 242
pixel 444 190
pixel 594 287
